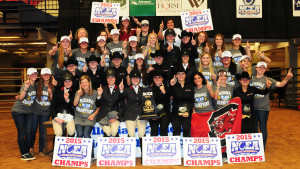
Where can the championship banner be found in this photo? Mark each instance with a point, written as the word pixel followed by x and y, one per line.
pixel 196 21
pixel 116 151
pixel 193 5
pixel 219 123
pixel 142 7
pixel 248 8
pixel 148 105
pixel 72 152
pixel 168 8
pixel 124 6
pixel 296 8
pixel 202 151
pixel 161 150
pixel 245 148
pixel 105 12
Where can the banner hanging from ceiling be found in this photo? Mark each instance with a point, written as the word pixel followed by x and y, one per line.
pixel 249 8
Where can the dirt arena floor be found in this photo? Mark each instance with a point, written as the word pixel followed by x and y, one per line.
pixel 282 150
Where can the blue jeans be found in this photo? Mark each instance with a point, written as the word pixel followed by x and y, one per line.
pixel 23 124
pixel 37 121
pixel 262 118
pixel 83 131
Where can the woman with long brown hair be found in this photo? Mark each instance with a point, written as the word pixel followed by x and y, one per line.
pixel 41 108
pixel 59 55
pixel 217 50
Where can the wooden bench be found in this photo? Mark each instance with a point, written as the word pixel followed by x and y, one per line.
pixel 47 124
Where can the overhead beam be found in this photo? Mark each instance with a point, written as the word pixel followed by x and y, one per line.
pixel 274 45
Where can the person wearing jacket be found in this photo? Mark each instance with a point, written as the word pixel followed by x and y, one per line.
pixel 61 107
pixel 111 105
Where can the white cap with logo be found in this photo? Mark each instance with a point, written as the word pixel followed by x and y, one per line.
pixel 226 54
pixel 145 22
pixel 132 38
pixel 83 39
pixel 236 36
pixel 45 71
pixel 259 64
pixel 139 55
pixel 114 31
pixel 101 38
pixel 244 57
pixel 31 70
pixel 125 17
pixel 65 37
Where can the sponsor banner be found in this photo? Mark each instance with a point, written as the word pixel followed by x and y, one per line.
pixel 116 151
pixel 296 8
pixel 161 150
pixel 72 152
pixel 202 151
pixel 196 21
pixel 105 12
pixel 245 148
pixel 142 7
pixel 168 7
pixel 249 8
pixel 124 6
pixel 193 5
pixel 219 123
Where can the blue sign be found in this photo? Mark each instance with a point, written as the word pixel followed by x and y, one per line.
pixel 161 149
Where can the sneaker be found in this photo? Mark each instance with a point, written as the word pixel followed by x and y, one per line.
pixel 41 154
pixel 224 160
pixel 31 157
pixel 93 161
pixel 25 157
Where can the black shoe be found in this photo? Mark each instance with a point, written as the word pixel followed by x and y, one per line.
pixel 31 157
pixel 25 157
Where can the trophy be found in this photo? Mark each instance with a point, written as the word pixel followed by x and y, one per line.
pixel 148 105
pixel 182 109
pixel 246 110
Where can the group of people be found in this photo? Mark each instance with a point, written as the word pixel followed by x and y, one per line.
pixel 104 84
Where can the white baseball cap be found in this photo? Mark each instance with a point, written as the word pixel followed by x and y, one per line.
pixel 125 17
pixel 259 64
pixel 226 54
pixel 101 38
pixel 236 36
pixel 31 70
pixel 114 31
pixel 132 38
pixel 45 71
pixel 145 22
pixel 139 55
pixel 83 39
pixel 65 37
pixel 244 57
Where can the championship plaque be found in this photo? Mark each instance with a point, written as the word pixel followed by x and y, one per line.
pixel 148 105
pixel 183 108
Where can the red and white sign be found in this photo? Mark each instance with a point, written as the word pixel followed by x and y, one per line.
pixel 245 148
pixel 202 151
pixel 161 150
pixel 116 151
pixel 72 152
pixel 105 12
pixel 196 21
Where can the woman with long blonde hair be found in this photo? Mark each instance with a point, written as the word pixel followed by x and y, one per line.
pixel 206 68
pixel 218 48
pixel 151 47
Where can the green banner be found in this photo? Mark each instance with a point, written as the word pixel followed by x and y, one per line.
pixel 142 7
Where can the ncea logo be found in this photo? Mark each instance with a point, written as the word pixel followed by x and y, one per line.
pixel 249 8
pixel 250 147
pixel 105 12
pixel 202 151
pixel 121 151
pixel 161 149
pixel 199 20
pixel 70 151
